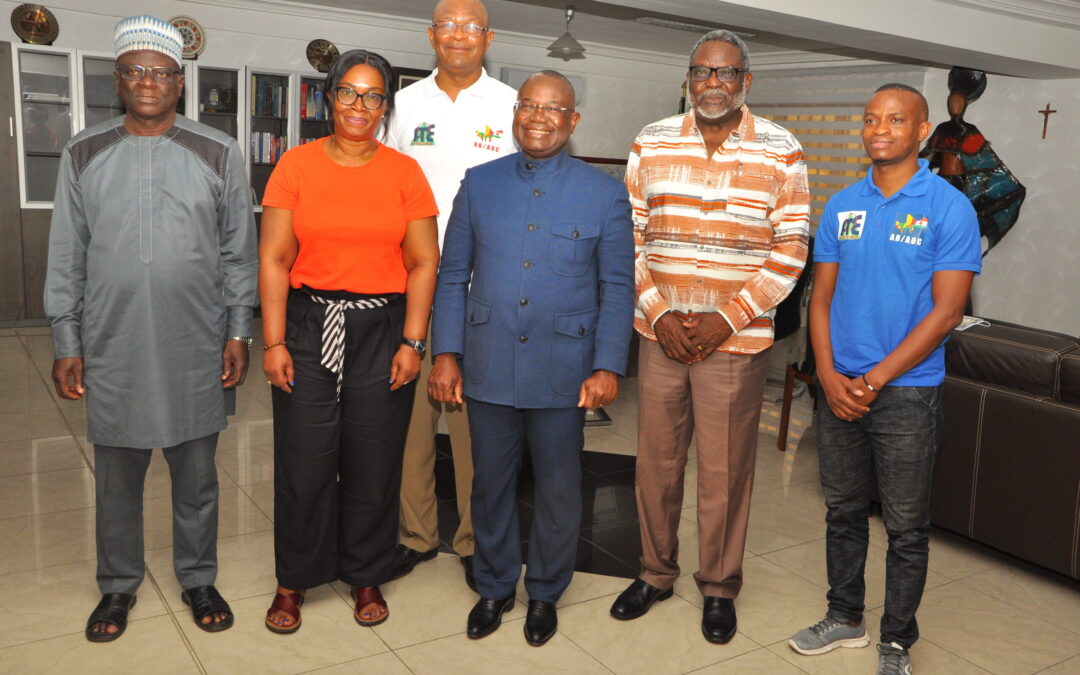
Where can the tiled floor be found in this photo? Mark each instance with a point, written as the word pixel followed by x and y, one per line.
pixel 982 611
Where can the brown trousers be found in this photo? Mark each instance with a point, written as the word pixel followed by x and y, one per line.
pixel 719 400
pixel 419 522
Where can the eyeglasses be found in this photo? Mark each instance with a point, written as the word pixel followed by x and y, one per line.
pixel 527 109
pixel 135 73
pixel 370 99
pixel 447 28
pixel 723 73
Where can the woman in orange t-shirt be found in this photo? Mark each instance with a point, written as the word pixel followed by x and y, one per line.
pixel 348 257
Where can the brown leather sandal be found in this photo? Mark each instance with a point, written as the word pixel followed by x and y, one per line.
pixel 290 604
pixel 368 595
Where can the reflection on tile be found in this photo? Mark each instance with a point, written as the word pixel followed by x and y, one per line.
pixel 237 514
pixel 148 646
pixel 1052 597
pixel 504 651
pixel 955 557
pixel 1007 639
pixel 57 600
pixel 327 636
pixel 245 568
pixel 808 561
pixel 246 464
pixel 666 640
pixel 773 603
pixel 386 663
pixel 38 455
pixel 418 615
pixel 48 539
pixel 583 587
pixel 262 493
pixel 758 662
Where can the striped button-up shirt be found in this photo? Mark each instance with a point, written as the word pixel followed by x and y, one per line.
pixel 726 233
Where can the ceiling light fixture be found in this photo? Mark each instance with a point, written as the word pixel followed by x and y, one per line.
pixel 566 47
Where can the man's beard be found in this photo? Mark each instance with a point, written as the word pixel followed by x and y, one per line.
pixel 733 103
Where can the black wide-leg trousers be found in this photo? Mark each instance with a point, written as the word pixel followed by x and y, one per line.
pixel 337 463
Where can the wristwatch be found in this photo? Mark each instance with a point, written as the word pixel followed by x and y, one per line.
pixel 419 346
pixel 243 338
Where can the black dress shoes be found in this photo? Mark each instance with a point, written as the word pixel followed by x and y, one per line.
pixel 718 619
pixel 540 622
pixel 637 599
pixel 405 559
pixel 486 616
pixel 470 578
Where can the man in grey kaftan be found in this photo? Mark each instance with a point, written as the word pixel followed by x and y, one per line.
pixel 150 288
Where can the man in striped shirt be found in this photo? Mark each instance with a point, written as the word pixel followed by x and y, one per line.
pixel 721 220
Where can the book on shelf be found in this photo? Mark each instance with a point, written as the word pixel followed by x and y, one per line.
pixel 303 100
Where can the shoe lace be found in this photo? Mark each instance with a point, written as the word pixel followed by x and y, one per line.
pixel 891 661
pixel 824 626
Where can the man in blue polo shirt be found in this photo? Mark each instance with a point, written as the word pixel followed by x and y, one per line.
pixel 894 259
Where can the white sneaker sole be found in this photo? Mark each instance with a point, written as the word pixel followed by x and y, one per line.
pixel 850 643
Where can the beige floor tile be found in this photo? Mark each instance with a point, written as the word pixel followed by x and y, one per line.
pixel 57 601
pixel 776 522
pixel 808 561
pixel 991 634
pixel 666 640
pixel 147 646
pixel 1047 595
pixel 23 400
pixel 246 434
pixel 262 493
pixel 237 514
pixel 690 485
pixel 689 550
pixel 583 587
pixel 758 662
pixel 773 603
pixel 417 614
pixel 36 331
pixel 47 539
pixel 386 663
pixel 38 455
pixel 1068 667
pixel 955 557
pixel 245 568
pixel 9 342
pixel 327 636
pixel 603 439
pixel 247 464
pixel 775 469
pixel 16 426
pixel 504 651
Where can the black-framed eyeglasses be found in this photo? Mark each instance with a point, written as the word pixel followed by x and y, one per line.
pixel 447 28
pixel 372 100
pixel 547 110
pixel 723 73
pixel 132 72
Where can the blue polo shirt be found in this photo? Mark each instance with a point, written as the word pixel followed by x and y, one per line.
pixel 888 250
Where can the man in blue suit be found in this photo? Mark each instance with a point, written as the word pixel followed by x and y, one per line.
pixel 535 299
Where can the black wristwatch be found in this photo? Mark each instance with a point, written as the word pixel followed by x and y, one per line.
pixel 419 346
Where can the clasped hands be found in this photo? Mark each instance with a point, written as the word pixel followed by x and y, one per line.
pixel 848 397
pixel 444 384
pixel 691 338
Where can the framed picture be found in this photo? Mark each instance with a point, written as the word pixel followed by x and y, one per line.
pixel 615 167
pixel 406 76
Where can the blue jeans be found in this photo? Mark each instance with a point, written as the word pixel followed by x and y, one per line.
pixel 897 440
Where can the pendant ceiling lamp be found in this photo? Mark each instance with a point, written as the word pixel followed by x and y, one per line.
pixel 566 47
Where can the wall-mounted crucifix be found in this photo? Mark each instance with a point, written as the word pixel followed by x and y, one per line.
pixel 1046 113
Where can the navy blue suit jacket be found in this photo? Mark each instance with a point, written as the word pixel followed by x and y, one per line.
pixel 536 284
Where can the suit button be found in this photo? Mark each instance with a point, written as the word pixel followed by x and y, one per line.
pixel 576 234
pixel 523 339
pixel 531 227
pixel 537 193
pixel 581 330
pixel 524 301
pixel 526 264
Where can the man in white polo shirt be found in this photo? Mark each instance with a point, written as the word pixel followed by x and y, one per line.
pixel 454 119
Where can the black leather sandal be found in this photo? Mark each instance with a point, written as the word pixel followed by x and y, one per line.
pixel 206 601
pixel 113 610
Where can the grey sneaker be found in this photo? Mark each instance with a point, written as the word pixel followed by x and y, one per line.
pixel 828 634
pixel 893 659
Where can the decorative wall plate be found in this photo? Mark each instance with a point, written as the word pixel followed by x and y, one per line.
pixel 321 54
pixel 34 24
pixel 193 35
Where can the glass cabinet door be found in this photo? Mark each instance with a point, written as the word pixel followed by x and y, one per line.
pixel 219 99
pixel 100 100
pixel 269 95
pixel 312 110
pixel 45 113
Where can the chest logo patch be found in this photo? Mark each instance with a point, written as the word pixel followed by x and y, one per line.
pixel 851 225
pixel 909 230
pixel 486 136
pixel 424 134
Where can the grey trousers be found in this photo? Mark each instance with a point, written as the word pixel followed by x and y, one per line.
pixel 120 474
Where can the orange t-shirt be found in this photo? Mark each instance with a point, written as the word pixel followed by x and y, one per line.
pixel 349 221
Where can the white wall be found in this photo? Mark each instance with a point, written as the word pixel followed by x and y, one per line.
pixel 624 89
pixel 1032 276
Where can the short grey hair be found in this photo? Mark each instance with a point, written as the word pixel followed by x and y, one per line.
pixel 723 35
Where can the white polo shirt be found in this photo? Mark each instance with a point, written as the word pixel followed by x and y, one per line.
pixel 447 137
